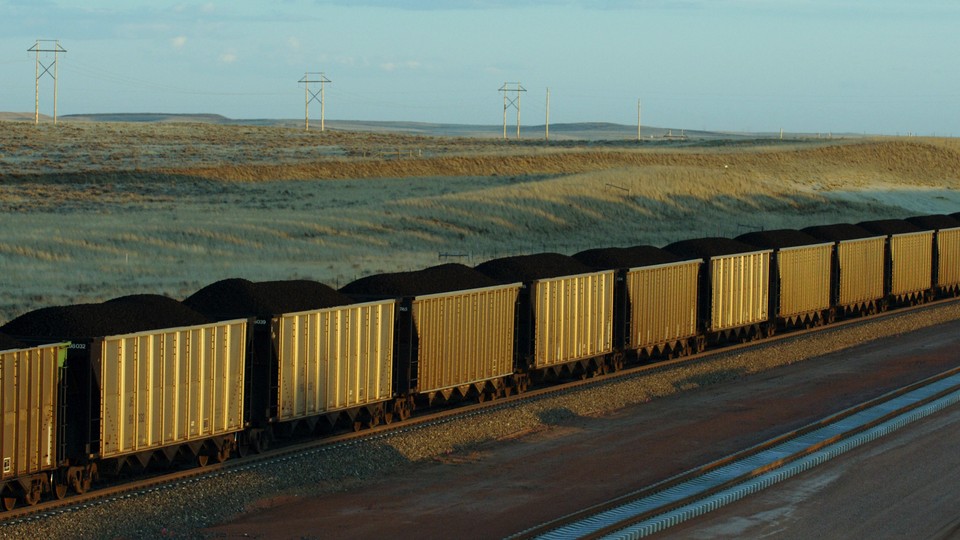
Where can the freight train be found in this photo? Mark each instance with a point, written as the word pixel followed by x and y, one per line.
pixel 145 380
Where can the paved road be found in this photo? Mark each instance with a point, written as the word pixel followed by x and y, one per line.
pixel 906 485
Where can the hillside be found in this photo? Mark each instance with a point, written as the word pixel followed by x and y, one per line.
pixel 92 211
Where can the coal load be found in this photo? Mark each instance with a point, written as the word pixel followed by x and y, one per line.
pixel 955 216
pixel 236 298
pixel 7 343
pixel 935 222
pixel 625 257
pixel 890 226
pixel 778 238
pixel 436 279
pixel 705 248
pixel 839 232
pixel 526 268
pixel 124 315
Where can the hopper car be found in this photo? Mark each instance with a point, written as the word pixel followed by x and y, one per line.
pixel 118 387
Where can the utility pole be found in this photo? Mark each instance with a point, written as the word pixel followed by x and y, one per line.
pixel 55 49
pixel 511 102
pixel 309 95
pixel 547 135
pixel 638 119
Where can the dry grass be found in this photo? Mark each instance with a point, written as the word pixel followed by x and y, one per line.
pixel 93 211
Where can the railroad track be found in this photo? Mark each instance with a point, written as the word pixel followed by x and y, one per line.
pixel 143 486
pixel 660 506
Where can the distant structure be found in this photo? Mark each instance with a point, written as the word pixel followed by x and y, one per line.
pixel 638 119
pixel 546 125
pixel 309 95
pixel 43 46
pixel 515 88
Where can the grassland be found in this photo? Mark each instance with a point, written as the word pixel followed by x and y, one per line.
pixel 91 211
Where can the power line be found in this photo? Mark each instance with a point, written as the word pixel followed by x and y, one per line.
pixel 99 74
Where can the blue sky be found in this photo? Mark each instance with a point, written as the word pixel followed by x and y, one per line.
pixel 878 66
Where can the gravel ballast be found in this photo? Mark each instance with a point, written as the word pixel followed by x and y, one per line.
pixel 184 511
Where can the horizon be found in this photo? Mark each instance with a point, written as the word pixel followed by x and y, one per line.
pixel 804 66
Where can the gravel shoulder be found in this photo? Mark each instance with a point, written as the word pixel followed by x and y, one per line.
pixel 518 467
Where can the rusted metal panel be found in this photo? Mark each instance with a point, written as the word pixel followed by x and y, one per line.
pixel 334 359
pixel 29 381
pixel 464 337
pixel 911 262
pixel 171 386
pixel 740 290
pixel 663 303
pixel 804 279
pixel 861 270
pixel 573 318
pixel 948 252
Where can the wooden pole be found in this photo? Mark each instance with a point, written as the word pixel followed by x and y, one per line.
pixel 547 135
pixel 638 119
pixel 518 112
pixel 55 70
pixel 36 114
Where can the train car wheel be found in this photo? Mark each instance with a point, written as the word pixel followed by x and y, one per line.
pixel 59 490
pixel 8 502
pixel 260 442
pixel 31 497
pixel 224 453
pixel 79 482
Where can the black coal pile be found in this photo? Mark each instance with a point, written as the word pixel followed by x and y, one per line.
pixel 704 248
pixel 436 279
pixel 626 257
pixel 838 232
pixel 935 222
pixel 124 315
pixel 955 216
pixel 238 298
pixel 7 343
pixel 778 238
pixel 532 267
pixel 890 226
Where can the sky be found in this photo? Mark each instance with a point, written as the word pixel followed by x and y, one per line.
pixel 812 66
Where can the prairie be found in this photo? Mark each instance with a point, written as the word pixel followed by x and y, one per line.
pixel 92 211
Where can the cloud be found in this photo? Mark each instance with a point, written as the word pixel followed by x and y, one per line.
pixel 407 65
pixel 228 57
pixel 178 42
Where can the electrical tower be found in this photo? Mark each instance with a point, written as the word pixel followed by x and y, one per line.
pixel 42 46
pixel 310 95
pixel 511 102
